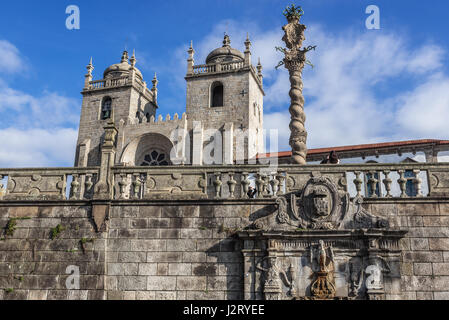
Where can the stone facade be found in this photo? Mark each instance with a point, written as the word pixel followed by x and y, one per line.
pixel 301 237
pixel 230 132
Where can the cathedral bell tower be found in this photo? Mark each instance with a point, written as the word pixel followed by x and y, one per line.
pixel 226 94
pixel 122 94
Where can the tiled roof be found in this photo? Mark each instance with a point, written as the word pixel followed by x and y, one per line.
pixel 360 147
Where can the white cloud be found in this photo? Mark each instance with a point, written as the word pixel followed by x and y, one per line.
pixel 48 110
pixel 10 58
pixel 349 96
pixel 425 110
pixel 35 131
pixel 37 147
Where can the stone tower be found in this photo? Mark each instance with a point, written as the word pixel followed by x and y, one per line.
pixel 122 94
pixel 226 94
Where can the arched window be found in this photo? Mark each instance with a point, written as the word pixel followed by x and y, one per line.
pixel 217 94
pixel 106 108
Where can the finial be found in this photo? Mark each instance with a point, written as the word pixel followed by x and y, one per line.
pixel 133 59
pixel 125 56
pixel 259 67
pixel 90 67
pixel 247 42
pixel 155 81
pixel 226 41
pixel 191 51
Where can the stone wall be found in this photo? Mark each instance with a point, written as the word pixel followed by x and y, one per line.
pixel 186 250
pixel 33 266
pixel 425 248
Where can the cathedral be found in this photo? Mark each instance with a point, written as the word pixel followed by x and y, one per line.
pixel 222 124
pixel 174 208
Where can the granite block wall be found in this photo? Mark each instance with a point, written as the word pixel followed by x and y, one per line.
pixel 183 250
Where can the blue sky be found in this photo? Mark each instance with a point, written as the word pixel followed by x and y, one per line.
pixel 367 85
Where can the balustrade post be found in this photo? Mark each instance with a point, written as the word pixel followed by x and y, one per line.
pixel 402 184
pixel 259 184
pixel 281 179
pixel 122 184
pixel 231 184
pixel 372 182
pixel 245 184
pixel 358 183
pixel 137 183
pixel 74 188
pixel 2 190
pixel 217 185
pixel 387 182
pixel 274 185
pixel 417 183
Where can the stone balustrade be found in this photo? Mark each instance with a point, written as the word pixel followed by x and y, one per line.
pixel 108 83
pixel 47 183
pixel 218 67
pixel 227 182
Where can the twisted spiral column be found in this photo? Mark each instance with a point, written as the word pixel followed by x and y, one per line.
pixel 298 133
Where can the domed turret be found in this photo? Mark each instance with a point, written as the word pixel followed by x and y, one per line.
pixel 121 69
pixel 225 54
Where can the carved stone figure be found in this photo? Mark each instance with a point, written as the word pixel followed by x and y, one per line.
pixel 272 284
pixel 355 277
pixel 323 287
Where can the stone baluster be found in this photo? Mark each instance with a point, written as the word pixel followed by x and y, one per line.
pixel 2 190
pixel 281 179
pixel 402 184
pixel 74 188
pixel 259 185
pixel 417 183
pixel 231 184
pixel 358 183
pixel 274 185
pixel 88 185
pixel 122 184
pixel 217 184
pixel 266 183
pixel 137 183
pixel 245 184
pixel 372 182
pixel 387 182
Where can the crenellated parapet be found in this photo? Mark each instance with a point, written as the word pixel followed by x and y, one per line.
pixel 168 120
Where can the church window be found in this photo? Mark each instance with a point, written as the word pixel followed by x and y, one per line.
pixel 148 116
pixel 217 94
pixel 155 158
pixel 106 108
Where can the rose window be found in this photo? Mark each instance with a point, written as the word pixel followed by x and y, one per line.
pixel 155 158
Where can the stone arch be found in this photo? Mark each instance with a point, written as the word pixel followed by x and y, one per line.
pixel 140 151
